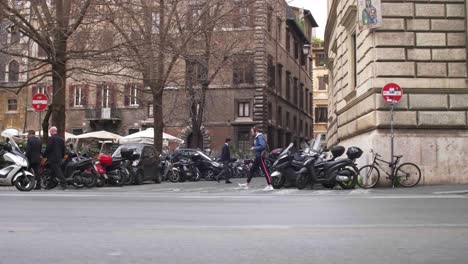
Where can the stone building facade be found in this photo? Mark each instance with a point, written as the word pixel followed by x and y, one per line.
pixel 422 46
pixel 320 88
pixel 269 85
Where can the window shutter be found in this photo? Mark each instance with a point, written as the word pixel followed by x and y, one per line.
pixel 98 96
pixel 127 94
pixel 84 95
pixel 71 95
pixel 112 93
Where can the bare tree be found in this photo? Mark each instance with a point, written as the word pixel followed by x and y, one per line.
pixel 212 51
pixel 49 25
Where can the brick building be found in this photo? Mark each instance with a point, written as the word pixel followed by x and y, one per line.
pixel 422 46
pixel 269 84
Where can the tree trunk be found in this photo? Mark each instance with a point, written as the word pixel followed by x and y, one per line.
pixel 158 121
pixel 45 124
pixel 58 110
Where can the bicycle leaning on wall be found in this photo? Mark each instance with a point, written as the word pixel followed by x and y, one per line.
pixel 406 175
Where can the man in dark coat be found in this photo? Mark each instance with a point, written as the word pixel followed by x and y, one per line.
pixel 33 153
pixel 225 159
pixel 55 151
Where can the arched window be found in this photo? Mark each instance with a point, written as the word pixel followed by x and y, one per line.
pixel 13 71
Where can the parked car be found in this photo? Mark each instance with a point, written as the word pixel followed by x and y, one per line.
pixel 208 167
pixel 145 166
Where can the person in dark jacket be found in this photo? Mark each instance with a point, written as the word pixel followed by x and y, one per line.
pixel 33 153
pixel 55 151
pixel 259 147
pixel 225 159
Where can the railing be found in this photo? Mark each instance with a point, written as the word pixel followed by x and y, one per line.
pixel 103 114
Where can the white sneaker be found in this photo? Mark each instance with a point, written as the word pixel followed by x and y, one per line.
pixel 244 186
pixel 268 188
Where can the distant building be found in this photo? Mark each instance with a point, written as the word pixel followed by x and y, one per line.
pixel 422 46
pixel 320 95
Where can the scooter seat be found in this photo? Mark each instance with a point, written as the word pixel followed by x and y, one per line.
pixel 330 164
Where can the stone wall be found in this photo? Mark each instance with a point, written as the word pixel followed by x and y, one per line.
pixel 422 47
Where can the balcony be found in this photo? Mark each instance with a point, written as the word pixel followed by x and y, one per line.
pixel 103 114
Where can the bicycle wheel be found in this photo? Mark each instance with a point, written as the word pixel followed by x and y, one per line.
pixel 368 177
pixel 408 175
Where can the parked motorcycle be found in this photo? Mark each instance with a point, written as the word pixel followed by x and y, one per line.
pixel 14 167
pixel 112 171
pixel 188 171
pixel 329 173
pixel 78 172
pixel 286 167
pixel 168 170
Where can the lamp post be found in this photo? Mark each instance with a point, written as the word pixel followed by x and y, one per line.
pixel 306 49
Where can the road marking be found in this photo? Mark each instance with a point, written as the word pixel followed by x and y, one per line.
pixel 453 192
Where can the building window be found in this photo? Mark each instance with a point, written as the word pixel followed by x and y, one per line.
pixel 279 78
pixel 306 103
pixel 320 60
pixel 242 16
pixel 243 109
pixel 105 102
pixel 288 86
pixel 197 71
pixel 278 28
pixel 134 95
pixel 321 82
pixel 288 119
pixel 310 67
pixel 296 49
pixel 270 19
pixel 244 141
pixel 243 70
pixel 353 60
pixel 311 104
pixel 301 96
pixel 288 40
pixel 295 92
pixel 12 105
pixel 13 71
pixel 321 114
pixel 150 111
pixel 295 123
pixel 279 116
pixel 77 131
pixel 133 131
pixel 270 111
pixel 271 73
pixel 78 98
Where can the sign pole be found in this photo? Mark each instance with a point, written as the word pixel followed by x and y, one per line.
pixel 392 133
pixel 40 120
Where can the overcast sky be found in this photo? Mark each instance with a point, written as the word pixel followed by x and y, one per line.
pixel 318 9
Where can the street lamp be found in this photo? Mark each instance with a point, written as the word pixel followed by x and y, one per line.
pixel 306 49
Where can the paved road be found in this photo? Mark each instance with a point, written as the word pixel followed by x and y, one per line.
pixel 194 223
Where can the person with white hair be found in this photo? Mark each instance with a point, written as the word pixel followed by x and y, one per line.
pixel 55 151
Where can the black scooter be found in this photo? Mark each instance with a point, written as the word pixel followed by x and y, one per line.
pixel 329 173
pixel 286 167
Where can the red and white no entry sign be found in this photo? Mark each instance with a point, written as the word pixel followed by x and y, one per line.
pixel 40 102
pixel 392 93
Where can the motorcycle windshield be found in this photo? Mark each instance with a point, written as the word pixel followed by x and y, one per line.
pixel 287 149
pixel 15 148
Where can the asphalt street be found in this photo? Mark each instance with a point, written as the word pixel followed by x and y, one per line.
pixel 207 222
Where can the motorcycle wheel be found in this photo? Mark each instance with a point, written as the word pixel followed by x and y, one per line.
pixel 278 182
pixel 174 176
pixel 209 175
pixel 120 179
pixel 77 181
pixel 302 180
pixel 139 178
pixel 100 181
pixel 352 182
pixel 130 177
pixel 47 181
pixel 91 181
pixel 25 183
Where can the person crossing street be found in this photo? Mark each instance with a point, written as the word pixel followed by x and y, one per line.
pixel 225 159
pixel 260 145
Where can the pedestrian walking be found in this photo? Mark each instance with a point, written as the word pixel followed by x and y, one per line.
pixel 225 159
pixel 33 154
pixel 55 151
pixel 259 147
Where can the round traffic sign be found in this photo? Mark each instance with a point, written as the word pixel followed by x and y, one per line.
pixel 392 93
pixel 40 102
